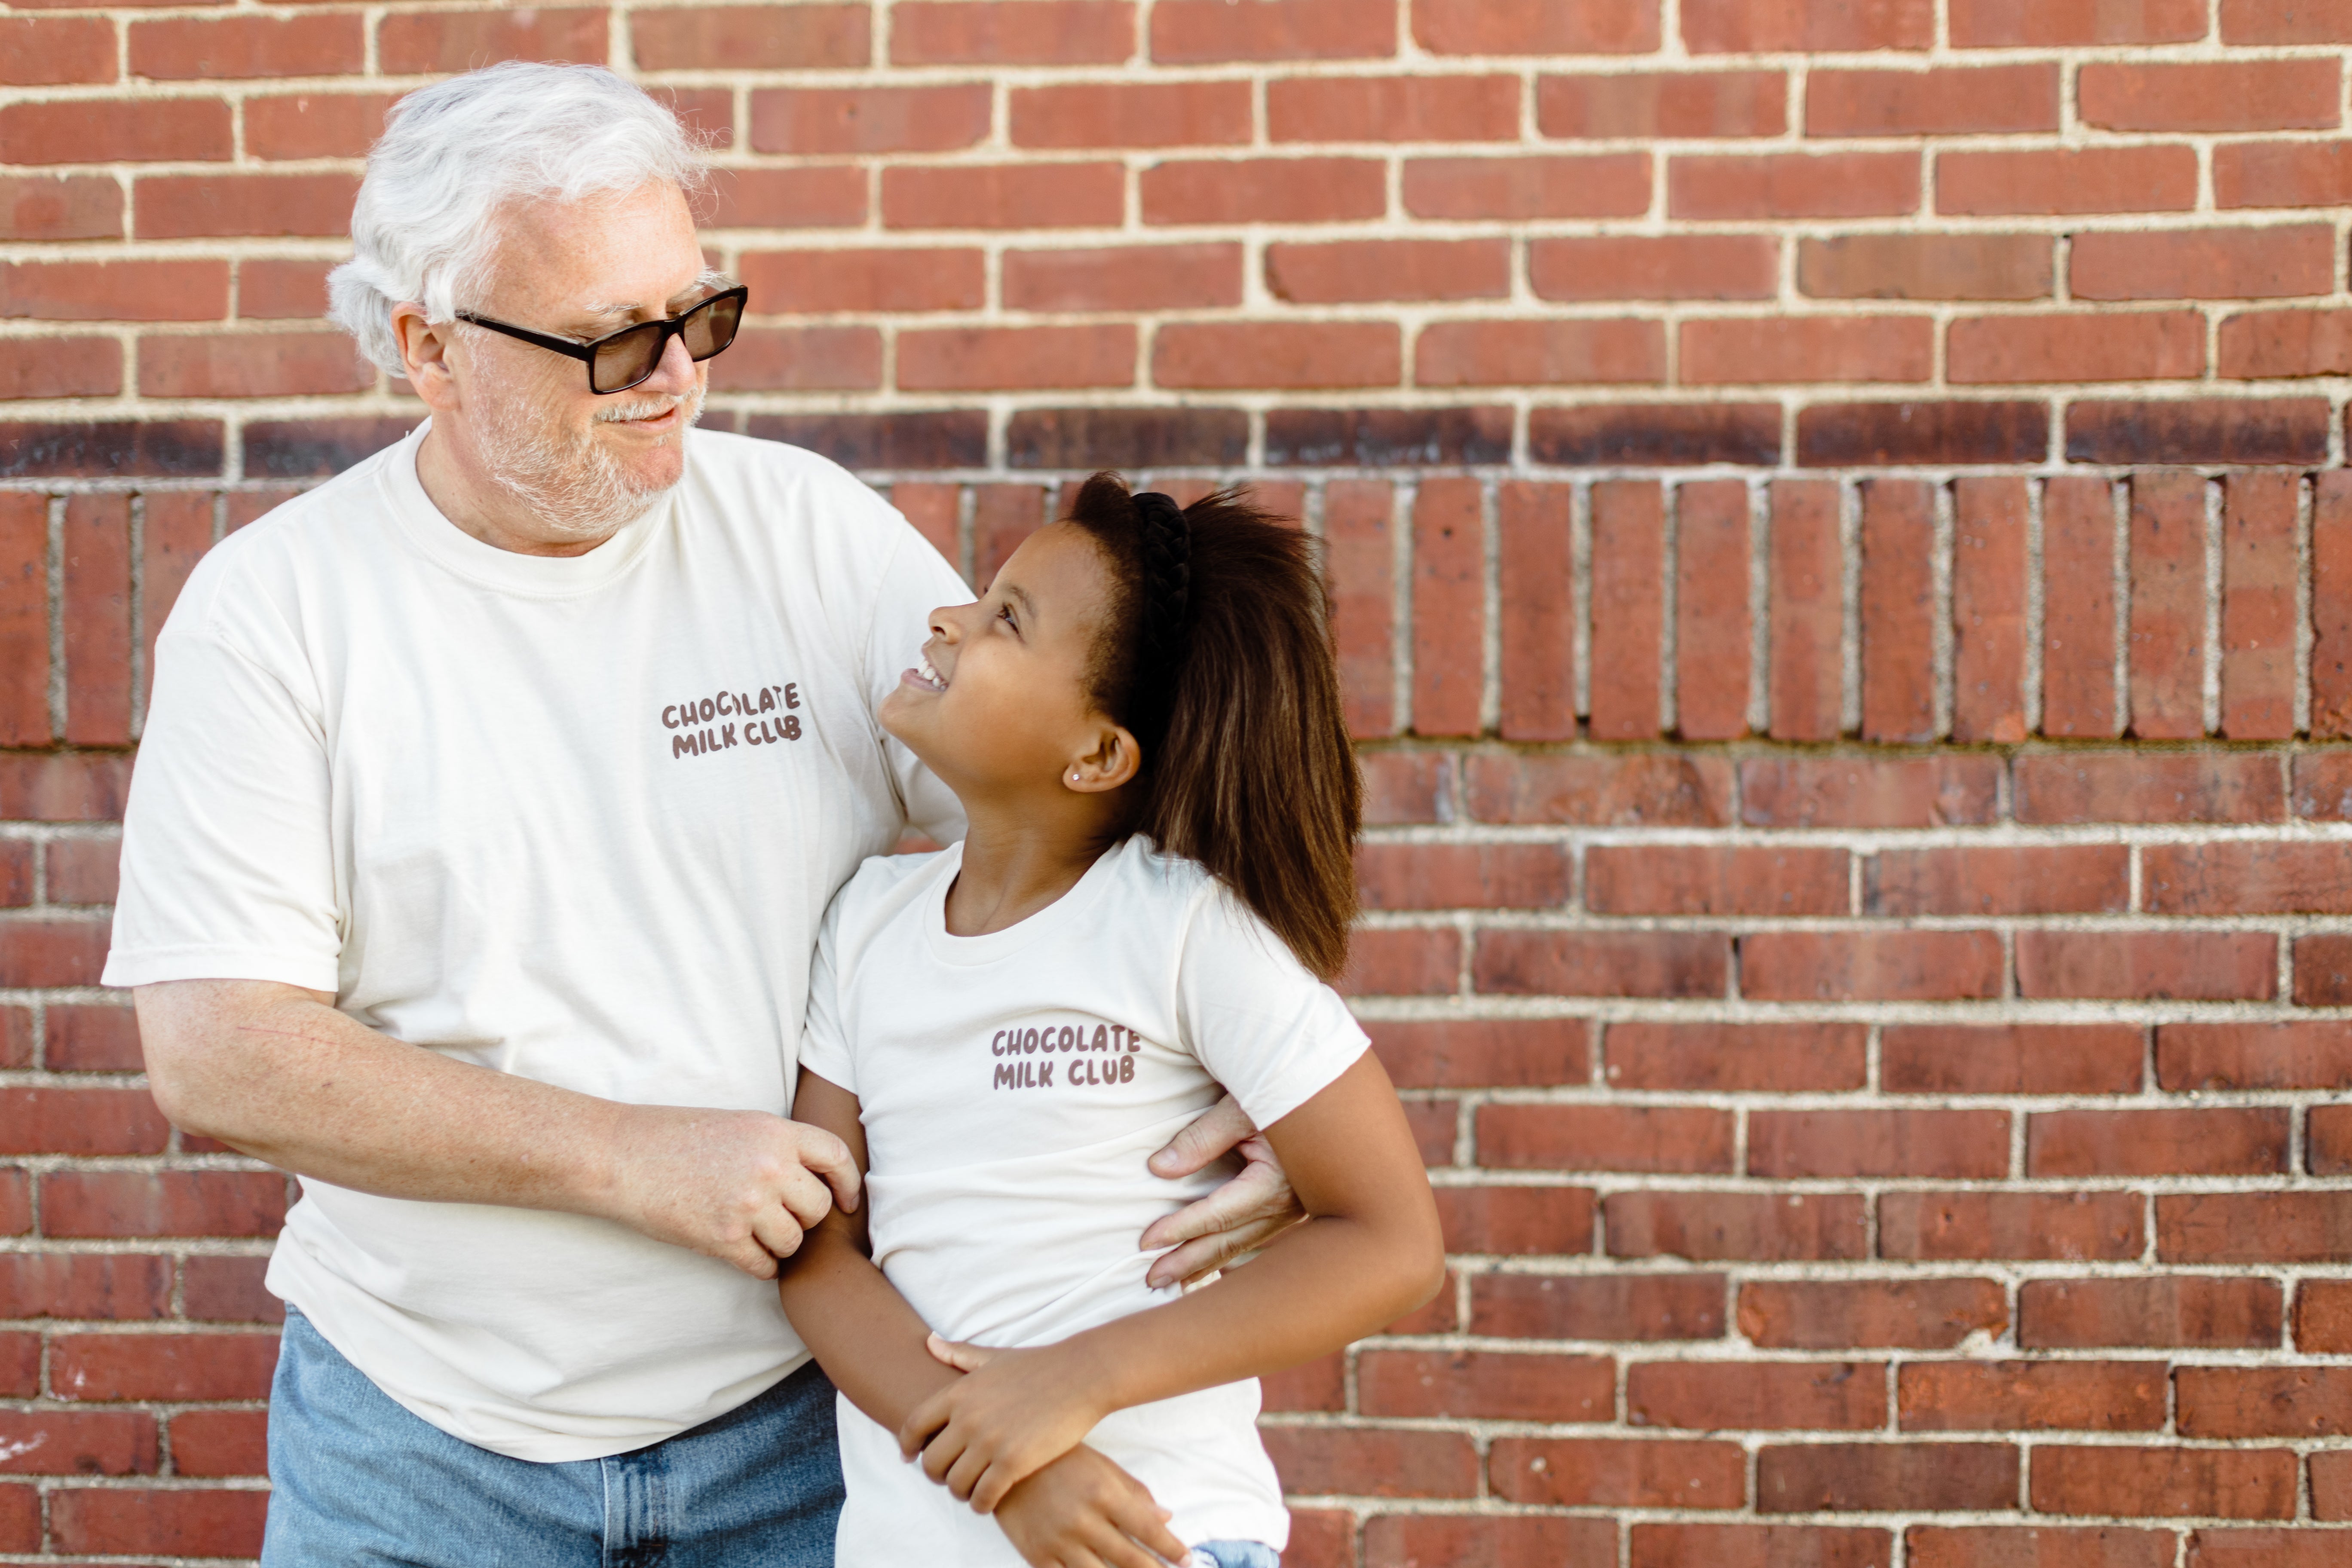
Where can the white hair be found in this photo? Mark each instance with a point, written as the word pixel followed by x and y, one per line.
pixel 454 152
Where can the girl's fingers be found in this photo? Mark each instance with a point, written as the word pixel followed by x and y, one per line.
pixel 941 1456
pixel 923 1424
pixel 1142 1518
pixel 960 1356
pixel 963 1476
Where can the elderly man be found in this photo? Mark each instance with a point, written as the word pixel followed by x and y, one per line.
pixel 490 798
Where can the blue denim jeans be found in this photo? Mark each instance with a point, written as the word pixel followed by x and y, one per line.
pixel 1234 1554
pixel 359 1482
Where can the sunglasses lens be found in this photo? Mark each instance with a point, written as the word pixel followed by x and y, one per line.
pixel 710 326
pixel 626 358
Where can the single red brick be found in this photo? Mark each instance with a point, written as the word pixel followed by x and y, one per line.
pixel 1602 964
pixel 1793 184
pixel 116 131
pixel 1540 353
pixel 1956 1225
pixel 1840 435
pixel 2224 1483
pixel 1664 105
pixel 82 1121
pixel 171 1203
pixel 2063 180
pixel 83 1443
pixel 46 51
pixel 1926 266
pixel 84 1285
pixel 2249 1140
pixel 895 280
pixel 181 206
pixel 1207 32
pixel 1325 1461
pixel 1256 190
pixel 1407 786
pixel 1604 1138
pixel 2077 346
pixel 2199 430
pixel 1537 674
pixel 1366 269
pixel 1628 570
pixel 2045 23
pixel 2323 1316
pixel 178 1523
pixel 2263 344
pixel 2246 877
pixel 2185 965
pixel 1934 1314
pixel 1317 1385
pixel 179 1366
pixel 1131 114
pixel 315 124
pixel 1899 652
pixel 957 359
pixel 1056 33
pixel 2190 1309
pixel 1003 196
pixel 1615 1473
pixel 1886 965
pixel 16 858
pixel 20 1366
pixel 1358 517
pixel 72 786
pixel 92 1039
pixel 1712 626
pixel 281 290
pixel 2140 786
pixel 97 616
pixel 1714 1226
pixel 1392 109
pixel 116 291
pixel 1662 435
pixel 422 43
pixel 1743 26
pixel 2079 623
pixel 1124 278
pixel 2167 643
pixel 1932 103
pixel 1765 351
pixel 215 48
pixel 251 365
pixel 824 197
pixel 221 1443
pixel 2294 1548
pixel 1463 875
pixel 2233 95
pixel 1879 1478
pixel 1635 266
pixel 23 622
pixel 2282 173
pixel 1408 962
pixel 1615 1306
pixel 60 367
pixel 83 870
pixel 45 951
pixel 2191 1058
pixel 2255 1228
pixel 1716 1396
pixel 2030 1397
pixel 60 207
pixel 1839 792
pixel 2204 264
pixel 816 122
pixel 1534 27
pixel 1606 185
pixel 228 1290
pixel 1449 607
pixel 2331 1486
pixel 1965 1145
pixel 1516 1221
pixel 2038 1547
pixel 2021 1058
pixel 2026 879
pixel 1658 790
pixel 2329 1147
pixel 1807 565
pixel 2282 22
pixel 1484 1541
pixel 1486 1385
pixel 1669 879
pixel 1736 1057
pixel 2258 605
pixel 2231 1401
pixel 1758 1546
pixel 1282 354
pixel 817 359
pixel 2331 605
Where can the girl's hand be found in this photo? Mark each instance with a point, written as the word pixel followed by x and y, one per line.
pixel 1083 1511
pixel 1014 1413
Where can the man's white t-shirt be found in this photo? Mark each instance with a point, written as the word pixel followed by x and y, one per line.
pixel 575 819
pixel 1011 1088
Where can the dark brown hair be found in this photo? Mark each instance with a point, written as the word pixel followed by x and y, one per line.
pixel 1246 765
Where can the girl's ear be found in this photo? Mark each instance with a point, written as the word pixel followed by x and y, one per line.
pixel 1115 760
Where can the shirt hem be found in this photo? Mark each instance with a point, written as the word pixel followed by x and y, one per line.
pixel 127 967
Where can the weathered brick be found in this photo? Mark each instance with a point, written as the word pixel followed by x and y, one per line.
pixel 2191 1058
pixel 1862 792
pixel 1791 184
pixel 1604 1138
pixel 2025 879
pixel 1882 966
pixel 1538 673
pixel 1602 964
pixel 1486 1385
pixel 1657 789
pixel 1204 32
pixel 1717 1395
pixel 1664 105
pixel 1615 1473
pixel 1966 1225
pixel 2187 1309
pixel 2144 786
pixel 1942 101
pixel 1058 32
pixel 1841 1314
pixel 2217 95
pixel 1463 875
pixel 1969 1146
pixel 2030 1397
pixel 2061 180
pixel 2186 965
pixel 2013 1059
pixel 2232 1402
pixel 1628 576
pixel 2145 1482
pixel 1878 1478
pixel 1606 185
pixel 1534 27
pixel 2165 644
pixel 2039 1546
pixel 1449 607
pixel 1926 266
pixel 1712 1226
pixel 1713 645
pixel 1728 1058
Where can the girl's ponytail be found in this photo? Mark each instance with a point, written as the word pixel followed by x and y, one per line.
pixel 1217 654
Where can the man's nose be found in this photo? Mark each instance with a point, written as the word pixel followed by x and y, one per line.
pixel 674 374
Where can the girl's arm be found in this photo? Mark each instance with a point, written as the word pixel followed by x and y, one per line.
pixel 1369 1252
pixel 1085 1512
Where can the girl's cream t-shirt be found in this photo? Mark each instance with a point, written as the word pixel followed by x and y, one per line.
pixel 1012 1087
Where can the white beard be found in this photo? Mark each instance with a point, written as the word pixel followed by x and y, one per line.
pixel 576 487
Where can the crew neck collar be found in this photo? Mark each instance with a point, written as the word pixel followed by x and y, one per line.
pixel 1063 914
pixel 537 576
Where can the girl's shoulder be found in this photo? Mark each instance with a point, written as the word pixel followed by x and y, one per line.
pixel 881 889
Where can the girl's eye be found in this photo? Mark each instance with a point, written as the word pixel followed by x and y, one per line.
pixel 1005 614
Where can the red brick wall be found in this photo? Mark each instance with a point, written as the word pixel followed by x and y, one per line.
pixel 1845 586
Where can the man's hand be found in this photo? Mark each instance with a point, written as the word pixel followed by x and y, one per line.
pixel 1084 1511
pixel 738 1186
pixel 1241 1216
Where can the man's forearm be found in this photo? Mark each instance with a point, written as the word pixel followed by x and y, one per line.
pixel 278 1073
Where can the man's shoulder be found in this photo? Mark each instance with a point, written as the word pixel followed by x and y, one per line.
pixel 264 558
pixel 725 458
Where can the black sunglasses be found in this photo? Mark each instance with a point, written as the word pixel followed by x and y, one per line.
pixel 619 360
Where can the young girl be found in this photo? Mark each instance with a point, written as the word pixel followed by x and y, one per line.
pixel 1142 721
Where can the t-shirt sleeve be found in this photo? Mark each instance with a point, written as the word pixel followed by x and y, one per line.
pixel 1262 1025
pixel 824 1048
pixel 917 581
pixel 227 854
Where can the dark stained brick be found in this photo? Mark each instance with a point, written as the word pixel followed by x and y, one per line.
pixel 112 448
pixel 307 448
pixel 1656 434
pixel 942 439
pixel 1387 438
pixel 1835 435
pixel 1126 437
pixel 2199 430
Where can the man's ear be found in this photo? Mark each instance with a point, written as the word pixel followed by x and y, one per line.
pixel 425 356
pixel 1114 760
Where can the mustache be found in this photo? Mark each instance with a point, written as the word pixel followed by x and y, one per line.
pixel 642 409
